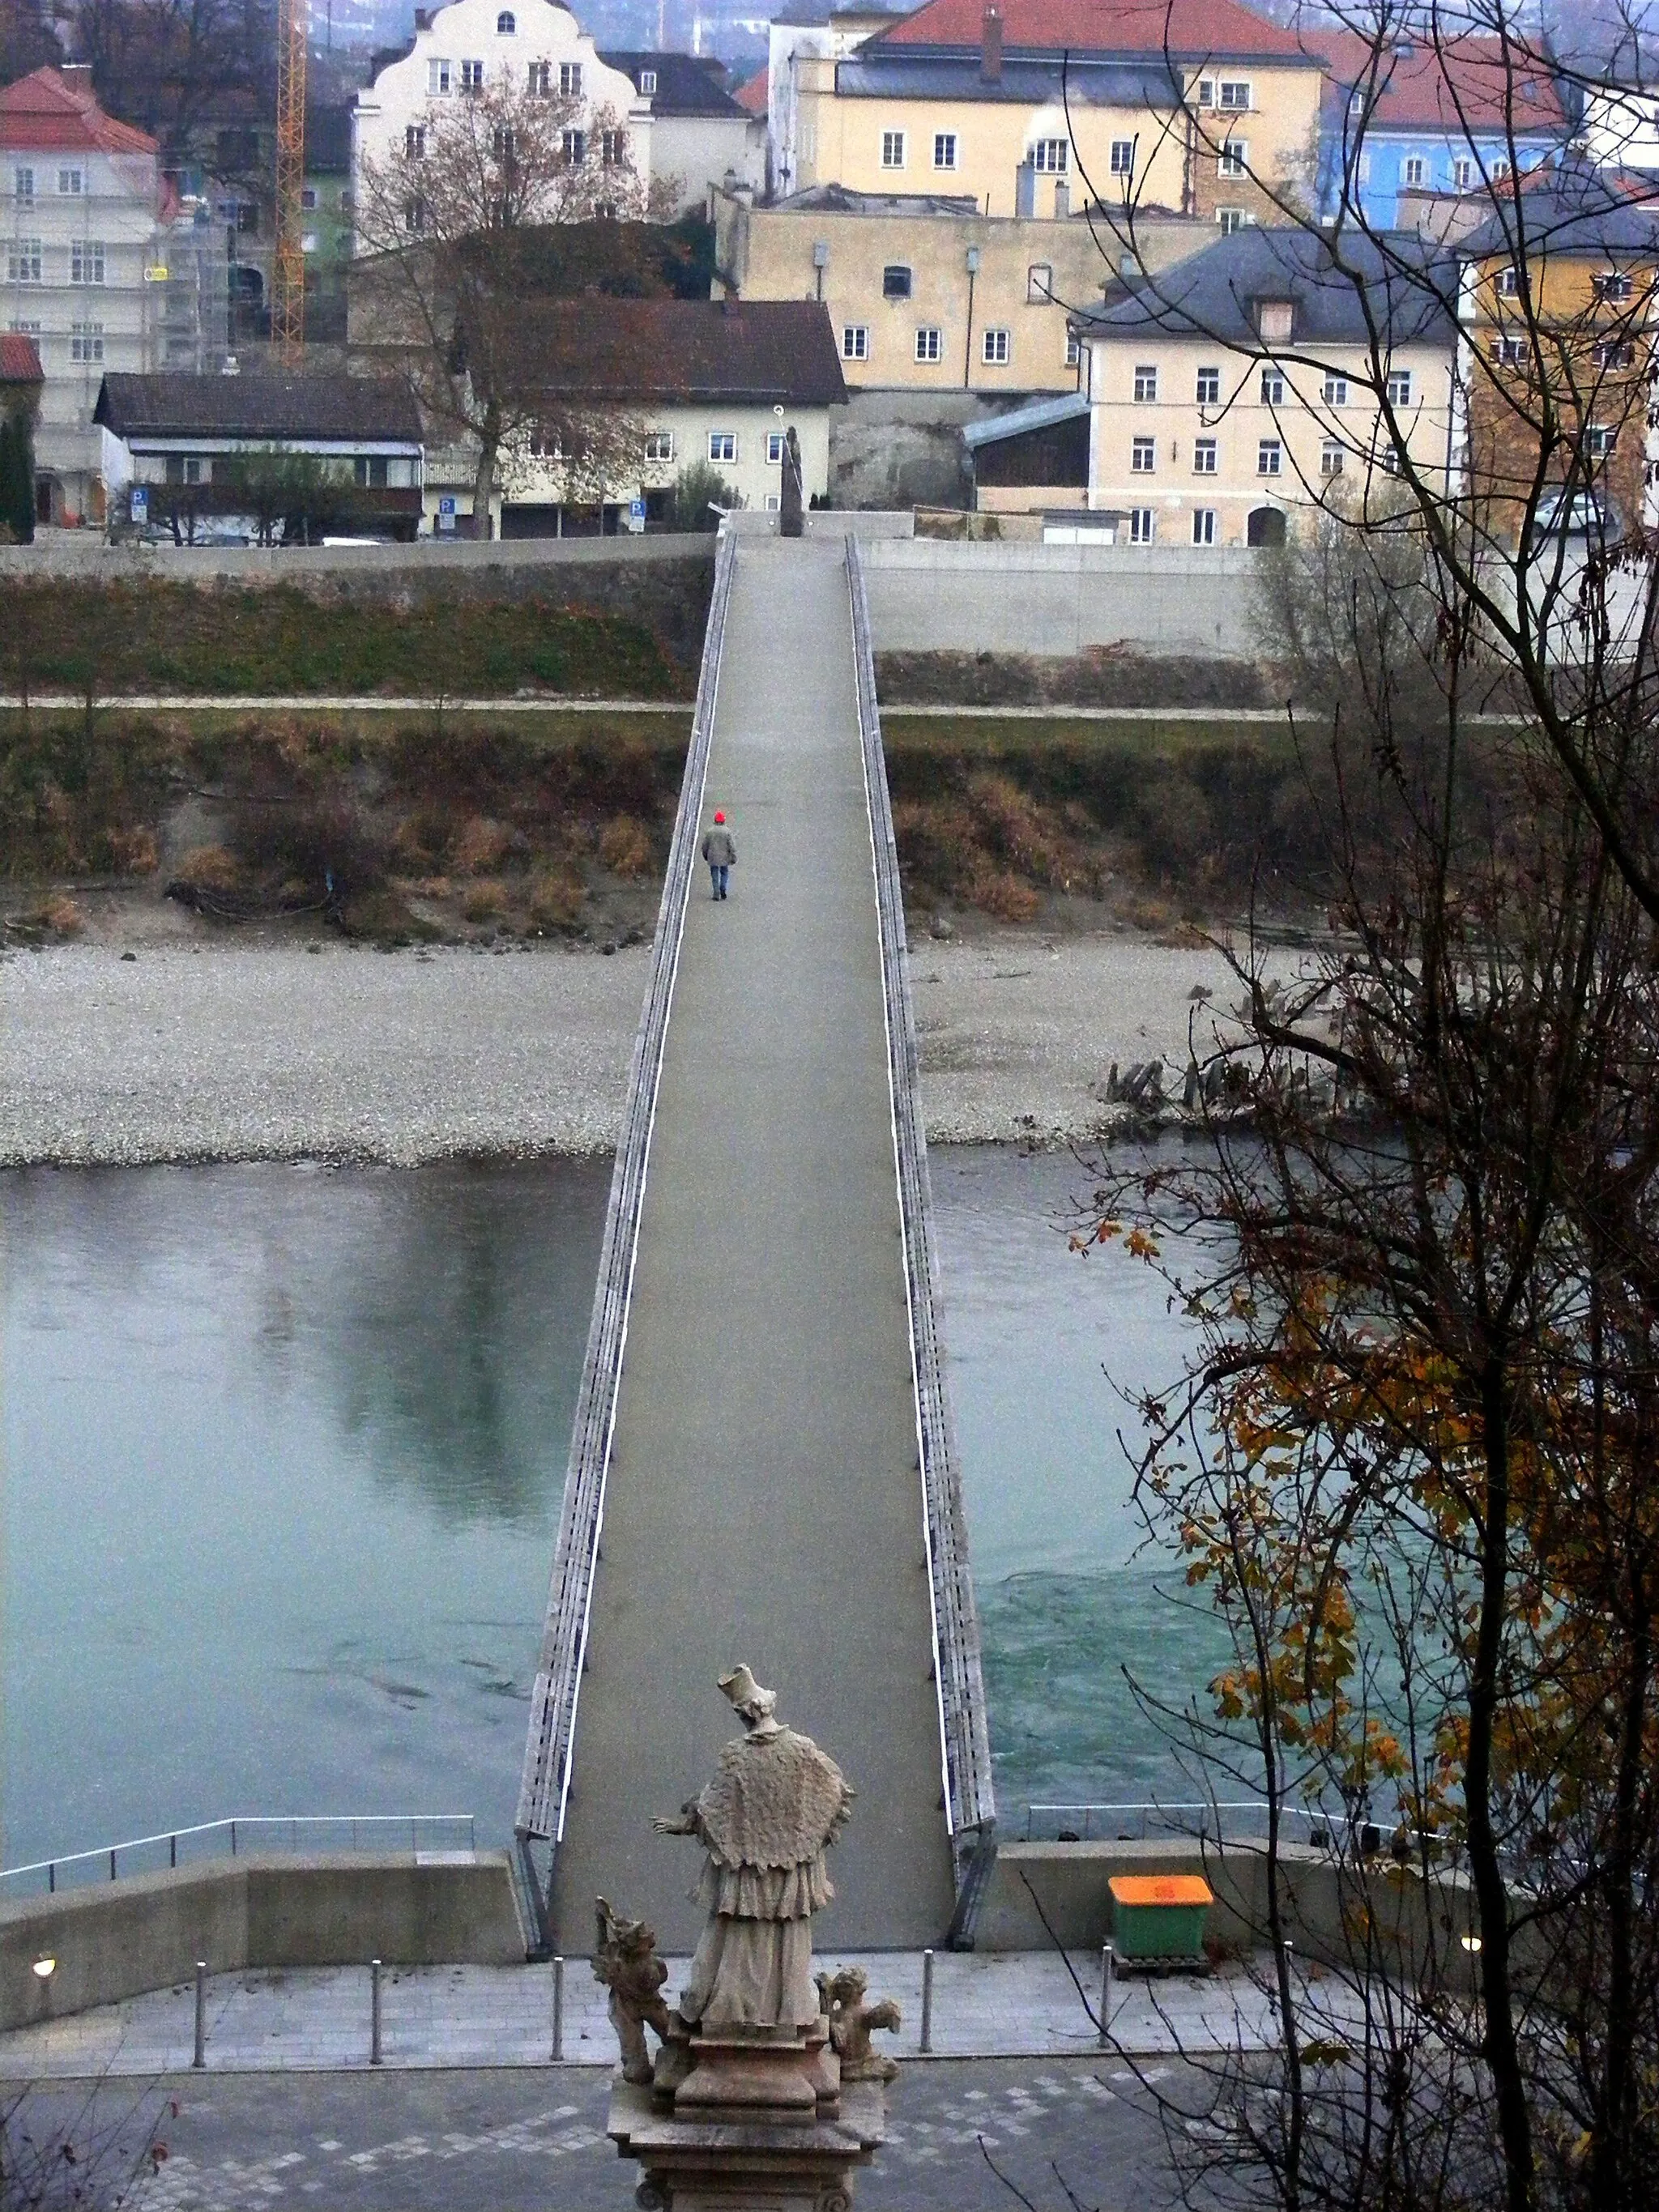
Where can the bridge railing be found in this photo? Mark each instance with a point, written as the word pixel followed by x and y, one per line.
pixel 243 1832
pixel 1226 1820
pixel 545 1781
pixel 964 1734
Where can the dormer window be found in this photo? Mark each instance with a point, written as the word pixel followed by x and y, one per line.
pixel 507 24
pixel 1274 319
pixel 647 83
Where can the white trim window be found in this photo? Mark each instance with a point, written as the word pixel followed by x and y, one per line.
pixel 1336 391
pixel 507 25
pixel 472 78
pixel 613 149
pixel 72 183
pixel 573 148
pixel 540 80
pixel 1206 457
pixel 1273 387
pixel 1204 525
pixel 1233 95
pixel 929 342
pixel 722 445
pixel 22 186
pixel 1463 173
pixel 647 84
pixel 658 448
pixel 1269 457
pixel 1040 284
pixel 945 149
pixel 1123 157
pixel 855 341
pixel 1209 387
pixel 414 142
pixel 994 348
pixel 1612 284
pixel 895 280
pixel 774 448
pixel 892 149
pixel 1399 387
pixel 86 261
pixel 1508 285
pixel 1600 440
pixel 23 261
pixel 1146 384
pixel 439 81
pixel 1508 353
pixel 570 80
pixel 1233 159
pixel 1414 171
pixel 1052 157
pixel 1332 454
pixel 1143 456
pixel 1073 349
pixel 1230 219
pixel 1143 524
pixel 86 341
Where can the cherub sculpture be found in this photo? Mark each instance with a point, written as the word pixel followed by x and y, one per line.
pixel 626 1963
pixel 840 1996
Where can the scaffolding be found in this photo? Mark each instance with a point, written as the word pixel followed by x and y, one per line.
pixel 288 297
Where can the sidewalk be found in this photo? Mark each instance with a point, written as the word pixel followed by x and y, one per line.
pixel 1004 2005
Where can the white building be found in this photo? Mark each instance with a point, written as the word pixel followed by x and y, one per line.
pixel 101 267
pixel 699 134
pixel 529 45
pixel 1619 128
pixel 807 31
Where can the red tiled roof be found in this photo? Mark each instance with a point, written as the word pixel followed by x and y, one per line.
pixel 20 359
pixel 1191 29
pixel 754 97
pixel 1456 84
pixel 48 112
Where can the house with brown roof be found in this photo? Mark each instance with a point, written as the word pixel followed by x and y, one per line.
pixel 1035 108
pixel 97 270
pixel 679 383
pixel 21 376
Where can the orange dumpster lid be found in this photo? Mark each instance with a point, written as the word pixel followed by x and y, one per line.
pixel 1161 1889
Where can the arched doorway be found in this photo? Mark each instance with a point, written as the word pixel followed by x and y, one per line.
pixel 1265 526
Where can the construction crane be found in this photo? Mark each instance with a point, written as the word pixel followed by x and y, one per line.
pixel 288 293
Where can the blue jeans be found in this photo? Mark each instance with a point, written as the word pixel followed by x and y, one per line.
pixel 718 872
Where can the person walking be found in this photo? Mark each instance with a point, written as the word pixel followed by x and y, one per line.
pixel 719 850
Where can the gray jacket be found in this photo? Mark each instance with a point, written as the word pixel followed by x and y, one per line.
pixel 719 849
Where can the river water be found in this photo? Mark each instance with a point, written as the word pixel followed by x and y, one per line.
pixel 283 1454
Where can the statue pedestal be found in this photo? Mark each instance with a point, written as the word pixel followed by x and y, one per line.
pixel 742 2161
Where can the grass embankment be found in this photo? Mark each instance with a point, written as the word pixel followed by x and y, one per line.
pixel 152 637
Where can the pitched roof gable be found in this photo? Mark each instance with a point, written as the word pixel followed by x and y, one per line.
pixel 47 111
pixel 1188 30
pixel 746 352
pixel 1449 84
pixel 175 405
pixel 20 359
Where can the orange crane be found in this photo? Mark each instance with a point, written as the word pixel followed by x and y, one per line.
pixel 287 294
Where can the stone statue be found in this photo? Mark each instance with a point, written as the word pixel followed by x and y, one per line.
pixel 840 1996
pixel 790 498
pixel 625 1962
pixel 765 1821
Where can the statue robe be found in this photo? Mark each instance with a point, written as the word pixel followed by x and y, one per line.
pixel 765 1821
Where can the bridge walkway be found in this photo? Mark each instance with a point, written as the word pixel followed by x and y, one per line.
pixel 762 1499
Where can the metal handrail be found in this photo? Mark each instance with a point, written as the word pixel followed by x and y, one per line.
pixel 550 1745
pixel 1197 1819
pixel 964 1733
pixel 266 1828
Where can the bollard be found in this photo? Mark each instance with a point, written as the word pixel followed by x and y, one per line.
pixel 1106 1963
pixel 199 2059
pixel 558 2011
pixel 926 2000
pixel 374 2012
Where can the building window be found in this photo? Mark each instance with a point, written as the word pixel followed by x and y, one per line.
pixel 573 148
pixel 1412 171
pixel 1611 284
pixel 308 198
pixel 1051 156
pixel 570 80
pixel 659 445
pixel 472 77
pixel 547 444
pixel 1145 386
pixel 437 79
pixel 1508 283
pixel 1273 387
pixel 1462 172
pixel 1600 439
pixel 1143 526
pixel 186 469
pixel 892 149
pixel 1330 458
pixel 1143 457
pixel 1234 160
pixel 1230 219
pixel 541 80
pixel 1204 525
pixel 71 183
pixel 1234 98
pixel 722 445
pixel 247 218
pixel 896 281
pixel 1123 157
pixel 1269 455
pixel 1508 353
pixel 307 241
pixel 415 216
pixel 1209 387
pixel 414 142
pixel 773 448
pixel 1336 391
pixel 1040 284
pixel 1399 387
pixel 647 84
pixel 993 349
pixel 928 341
pixel 1204 457
pixel 506 25
pixel 502 142
pixel 1073 348
pixel 23 261
pixel 613 149
pixel 1497 171
pixel 370 471
pixel 23 187
pixel 1391 460
pixel 1613 353
pixel 945 149
pixel 86 341
pixel 855 341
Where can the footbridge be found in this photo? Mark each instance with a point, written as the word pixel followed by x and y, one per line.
pixel 762 1466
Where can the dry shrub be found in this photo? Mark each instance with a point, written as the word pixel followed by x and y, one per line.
pixel 484 900
pixel 211 868
pixel 417 842
pixel 625 846
pixel 556 899
pixel 480 844
pixel 1004 895
pixel 61 916
pixel 1022 835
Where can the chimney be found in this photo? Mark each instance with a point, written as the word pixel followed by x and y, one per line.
pixel 424 19
pixel 1062 200
pixel 990 45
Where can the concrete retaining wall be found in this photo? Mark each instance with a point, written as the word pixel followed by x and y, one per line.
pixel 935 595
pixel 115 1940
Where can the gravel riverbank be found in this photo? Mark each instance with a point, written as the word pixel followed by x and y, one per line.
pixel 265 1051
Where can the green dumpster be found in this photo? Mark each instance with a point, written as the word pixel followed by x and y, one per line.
pixel 1159 1916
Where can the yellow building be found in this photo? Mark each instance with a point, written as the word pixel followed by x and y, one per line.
pixel 1034 107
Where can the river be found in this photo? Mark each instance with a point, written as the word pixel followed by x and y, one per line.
pixel 283 1454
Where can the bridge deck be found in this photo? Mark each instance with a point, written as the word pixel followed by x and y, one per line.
pixel 764 1501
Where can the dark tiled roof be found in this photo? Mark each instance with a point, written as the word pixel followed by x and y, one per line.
pixel 337 407
pixel 754 352
pixel 841 199
pixel 877 72
pixel 1573 211
pixel 20 359
pixel 686 84
pixel 328 141
pixel 1193 30
pixel 1409 286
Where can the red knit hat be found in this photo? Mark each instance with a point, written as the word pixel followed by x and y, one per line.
pixel 720 817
